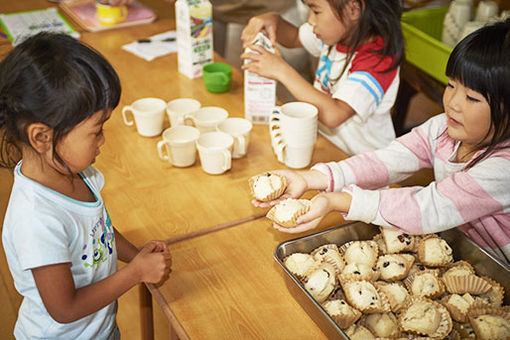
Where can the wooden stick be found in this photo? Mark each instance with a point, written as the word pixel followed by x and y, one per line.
pixel 214 228
pixel 172 319
pixel 146 317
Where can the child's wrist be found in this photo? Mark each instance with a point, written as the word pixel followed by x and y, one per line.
pixel 315 180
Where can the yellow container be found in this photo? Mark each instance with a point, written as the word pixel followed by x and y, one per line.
pixel 422 29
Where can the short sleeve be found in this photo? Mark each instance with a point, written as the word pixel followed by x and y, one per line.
pixel 95 177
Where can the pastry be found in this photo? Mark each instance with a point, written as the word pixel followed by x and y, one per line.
pixel 364 296
pixel 343 314
pixel 358 332
pixel 459 268
pixel 382 325
pixel 361 252
pixel 380 244
pixel 490 323
pixel 426 317
pixel 494 296
pixel 321 282
pixel 287 211
pixel 395 266
pixel 359 271
pixel 433 251
pixel 299 264
pixel 267 186
pixel 458 306
pixel 397 294
pixel 425 284
pixel 329 253
pixel 397 241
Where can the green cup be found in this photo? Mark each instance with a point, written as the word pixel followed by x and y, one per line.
pixel 217 77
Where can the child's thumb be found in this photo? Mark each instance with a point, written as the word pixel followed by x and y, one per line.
pixel 149 248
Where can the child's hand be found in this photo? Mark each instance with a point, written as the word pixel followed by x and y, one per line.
pixel 321 206
pixel 264 63
pixel 296 187
pixel 267 22
pixel 153 262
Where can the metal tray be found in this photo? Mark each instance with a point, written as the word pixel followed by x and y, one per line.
pixel 463 248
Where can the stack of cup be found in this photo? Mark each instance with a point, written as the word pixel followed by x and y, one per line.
pixel 293 130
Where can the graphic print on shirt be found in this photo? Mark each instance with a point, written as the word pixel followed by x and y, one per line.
pixel 322 73
pixel 103 237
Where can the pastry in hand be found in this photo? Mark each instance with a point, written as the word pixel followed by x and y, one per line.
pixel 287 211
pixel 267 186
pixel 426 317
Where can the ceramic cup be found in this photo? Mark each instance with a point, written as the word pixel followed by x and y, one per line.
pixel 239 129
pixel 217 77
pixel 294 157
pixel 215 152
pixel 459 13
pixel 178 145
pixel 177 108
pixel 486 10
pixel 110 15
pixel 207 118
pixel 148 114
pixel 296 122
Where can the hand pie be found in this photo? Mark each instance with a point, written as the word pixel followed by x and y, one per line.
pixel 267 186
pixel 287 211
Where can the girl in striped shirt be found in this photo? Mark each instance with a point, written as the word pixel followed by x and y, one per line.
pixel 468 146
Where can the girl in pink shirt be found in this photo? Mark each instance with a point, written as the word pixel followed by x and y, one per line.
pixel 468 147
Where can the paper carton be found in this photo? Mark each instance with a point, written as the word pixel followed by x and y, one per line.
pixel 259 92
pixel 194 36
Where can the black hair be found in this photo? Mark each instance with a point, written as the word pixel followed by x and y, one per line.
pixel 378 18
pixel 481 62
pixel 55 80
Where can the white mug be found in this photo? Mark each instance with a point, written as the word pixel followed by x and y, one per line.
pixel 177 108
pixel 215 152
pixel 207 118
pixel 296 122
pixel 295 157
pixel 148 114
pixel 239 129
pixel 178 145
pixel 486 10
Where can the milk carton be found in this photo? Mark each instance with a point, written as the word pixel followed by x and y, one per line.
pixel 259 92
pixel 194 36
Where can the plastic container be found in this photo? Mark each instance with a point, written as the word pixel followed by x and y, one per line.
pixel 217 77
pixel 422 31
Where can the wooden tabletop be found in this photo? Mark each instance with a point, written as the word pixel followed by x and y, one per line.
pixel 224 283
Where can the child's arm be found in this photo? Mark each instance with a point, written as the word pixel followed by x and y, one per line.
pixel 126 251
pixel 332 112
pixel 65 303
pixel 278 30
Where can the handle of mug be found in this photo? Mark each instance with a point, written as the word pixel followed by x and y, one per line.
pixel 279 150
pixel 124 117
pixel 242 145
pixel 188 117
pixel 161 153
pixel 228 160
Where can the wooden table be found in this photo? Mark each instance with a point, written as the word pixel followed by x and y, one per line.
pixel 149 199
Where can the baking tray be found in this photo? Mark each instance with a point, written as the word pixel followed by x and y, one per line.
pixel 463 248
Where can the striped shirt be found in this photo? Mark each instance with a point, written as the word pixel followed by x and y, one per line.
pixel 365 86
pixel 476 200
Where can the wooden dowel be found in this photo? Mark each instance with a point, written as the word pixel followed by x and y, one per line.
pixel 146 316
pixel 214 228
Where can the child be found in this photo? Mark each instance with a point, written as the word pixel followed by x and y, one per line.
pixel 60 244
pixel 468 147
pixel 360 46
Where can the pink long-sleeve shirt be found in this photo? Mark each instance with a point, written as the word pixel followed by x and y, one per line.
pixel 476 200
